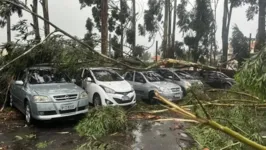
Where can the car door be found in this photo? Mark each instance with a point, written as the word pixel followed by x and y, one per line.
pixel 129 77
pixel 90 87
pixel 19 91
pixel 139 84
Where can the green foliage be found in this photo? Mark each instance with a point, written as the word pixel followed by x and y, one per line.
pixel 102 121
pixel 251 75
pixel 240 45
pixel 43 145
pixel 7 10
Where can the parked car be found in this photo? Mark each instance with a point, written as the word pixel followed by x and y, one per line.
pixel 146 82
pixel 186 76
pixel 216 79
pixel 170 75
pixel 44 93
pixel 106 87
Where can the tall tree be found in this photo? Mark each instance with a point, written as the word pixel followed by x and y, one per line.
pixel 240 45
pixel 134 26
pixel 174 27
pixel 226 24
pixel 104 18
pixel 34 7
pixel 46 16
pixel 6 11
pixel 165 27
pixel 260 42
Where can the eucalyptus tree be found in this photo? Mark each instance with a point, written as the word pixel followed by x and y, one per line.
pixel 6 11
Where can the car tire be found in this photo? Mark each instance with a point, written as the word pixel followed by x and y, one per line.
pixel 184 91
pixel 28 117
pixel 97 100
pixel 10 100
pixel 151 98
pixel 227 86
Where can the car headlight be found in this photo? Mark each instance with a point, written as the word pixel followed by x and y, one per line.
pixel 41 99
pixel 83 95
pixel 108 90
pixel 187 85
pixel 162 89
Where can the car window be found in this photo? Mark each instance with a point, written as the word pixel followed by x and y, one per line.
pixel 139 77
pixel 183 75
pixel 22 76
pixel 129 76
pixel 167 74
pixel 153 77
pixel 47 76
pixel 107 75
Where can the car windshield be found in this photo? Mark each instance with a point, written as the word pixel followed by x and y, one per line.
pixel 183 75
pixel 153 77
pixel 107 75
pixel 39 76
pixel 222 75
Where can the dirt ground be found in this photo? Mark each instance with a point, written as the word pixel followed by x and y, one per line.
pixel 60 134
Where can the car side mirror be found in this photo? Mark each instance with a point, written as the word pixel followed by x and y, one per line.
pixel 88 79
pixel 73 80
pixel 19 82
pixel 142 81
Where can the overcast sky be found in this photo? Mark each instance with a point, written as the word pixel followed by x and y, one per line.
pixel 67 15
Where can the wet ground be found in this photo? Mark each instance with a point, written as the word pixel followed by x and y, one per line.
pixel 60 135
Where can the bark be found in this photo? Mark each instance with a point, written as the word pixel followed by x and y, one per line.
pixel 46 16
pixel 174 27
pixel 122 31
pixel 35 21
pixel 225 30
pixel 169 34
pixel 104 17
pixel 215 29
pixel 165 38
pixel 261 28
pixel 134 27
pixel 8 28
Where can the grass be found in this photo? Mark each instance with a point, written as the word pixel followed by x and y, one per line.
pixel 102 121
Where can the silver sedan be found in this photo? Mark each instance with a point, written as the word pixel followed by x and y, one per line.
pixel 145 83
pixel 42 93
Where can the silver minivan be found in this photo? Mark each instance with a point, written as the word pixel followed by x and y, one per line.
pixel 43 93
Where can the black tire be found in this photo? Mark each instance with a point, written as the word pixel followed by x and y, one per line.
pixel 184 91
pixel 28 116
pixel 97 100
pixel 152 100
pixel 227 86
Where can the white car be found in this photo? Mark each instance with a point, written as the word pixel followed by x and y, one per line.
pixel 106 87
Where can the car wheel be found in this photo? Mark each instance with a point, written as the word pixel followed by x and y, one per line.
pixel 97 100
pixel 227 86
pixel 28 116
pixel 10 100
pixel 152 100
pixel 184 91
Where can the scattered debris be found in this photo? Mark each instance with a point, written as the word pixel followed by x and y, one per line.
pixel 18 137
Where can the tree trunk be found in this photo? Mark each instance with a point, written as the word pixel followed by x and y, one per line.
pixel 261 29
pixel 173 34
pixel 225 31
pixel 35 21
pixel 8 28
pixel 134 27
pixel 165 28
pixel 46 16
pixel 104 17
pixel 122 31
pixel 169 34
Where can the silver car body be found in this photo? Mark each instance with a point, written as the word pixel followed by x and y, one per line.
pixel 64 98
pixel 167 89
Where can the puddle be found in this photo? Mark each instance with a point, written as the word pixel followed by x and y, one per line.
pixel 150 136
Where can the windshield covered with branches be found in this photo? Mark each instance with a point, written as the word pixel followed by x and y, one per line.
pixel 153 77
pixel 47 76
pixel 184 75
pixel 107 75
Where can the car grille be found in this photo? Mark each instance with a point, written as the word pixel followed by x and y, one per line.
pixel 120 101
pixel 175 90
pixel 66 97
pixel 123 93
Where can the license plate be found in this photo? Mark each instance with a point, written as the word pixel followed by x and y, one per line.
pixel 125 98
pixel 67 107
pixel 177 96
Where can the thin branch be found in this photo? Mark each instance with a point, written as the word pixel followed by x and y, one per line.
pixel 202 107
pixel 239 93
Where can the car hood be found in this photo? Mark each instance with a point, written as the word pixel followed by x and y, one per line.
pixel 165 84
pixel 56 89
pixel 118 86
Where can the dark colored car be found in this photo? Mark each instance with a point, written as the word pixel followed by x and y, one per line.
pixel 214 79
